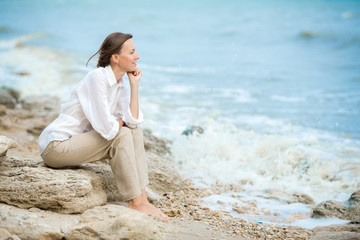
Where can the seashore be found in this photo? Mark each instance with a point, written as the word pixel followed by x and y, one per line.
pixel 37 202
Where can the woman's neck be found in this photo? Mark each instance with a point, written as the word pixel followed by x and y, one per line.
pixel 117 72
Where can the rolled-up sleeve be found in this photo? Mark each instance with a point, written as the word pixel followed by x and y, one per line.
pixel 130 121
pixel 93 100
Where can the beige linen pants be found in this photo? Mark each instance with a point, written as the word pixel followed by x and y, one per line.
pixel 126 153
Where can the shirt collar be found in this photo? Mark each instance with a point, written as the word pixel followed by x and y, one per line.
pixel 111 77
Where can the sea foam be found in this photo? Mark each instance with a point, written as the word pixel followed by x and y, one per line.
pixel 37 70
pixel 306 161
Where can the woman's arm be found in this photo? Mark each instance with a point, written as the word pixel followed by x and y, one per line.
pixel 134 79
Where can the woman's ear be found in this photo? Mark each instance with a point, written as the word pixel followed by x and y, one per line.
pixel 115 58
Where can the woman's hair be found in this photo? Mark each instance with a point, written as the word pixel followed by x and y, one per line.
pixel 112 45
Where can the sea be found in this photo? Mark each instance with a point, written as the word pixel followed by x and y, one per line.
pixel 275 86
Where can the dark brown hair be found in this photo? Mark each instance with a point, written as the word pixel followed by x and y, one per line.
pixel 112 45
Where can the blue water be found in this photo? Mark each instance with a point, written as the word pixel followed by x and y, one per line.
pixel 255 46
pixel 275 84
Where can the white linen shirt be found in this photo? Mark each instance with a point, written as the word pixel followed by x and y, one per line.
pixel 96 103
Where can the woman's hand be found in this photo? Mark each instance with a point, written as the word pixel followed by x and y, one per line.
pixel 121 122
pixel 134 77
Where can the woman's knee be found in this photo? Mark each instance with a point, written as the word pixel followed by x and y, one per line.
pixel 124 131
pixel 52 162
pixel 137 132
pixel 124 134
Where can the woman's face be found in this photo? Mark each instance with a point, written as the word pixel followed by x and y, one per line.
pixel 128 56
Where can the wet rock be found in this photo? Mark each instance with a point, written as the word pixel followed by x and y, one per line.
pixel 41 103
pixel 356 221
pixel 336 209
pixel 4 29
pixel 311 34
pixel 13 92
pixel 355 198
pixel 7 99
pixel 238 210
pixel 349 15
pixel 59 190
pixel 303 198
pixel 22 74
pixel 191 129
pixel 283 196
pixel 114 222
pixel 2 110
pixel 5 144
pixel 153 196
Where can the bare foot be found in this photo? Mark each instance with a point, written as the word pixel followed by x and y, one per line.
pixel 142 204
pixel 147 208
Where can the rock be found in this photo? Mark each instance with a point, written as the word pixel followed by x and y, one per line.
pixel 4 29
pixel 154 144
pixel 14 160
pixel 338 228
pixel 238 210
pixel 355 198
pixel 23 74
pixel 7 99
pixel 303 198
pixel 280 195
pixel 356 221
pixel 35 225
pixel 108 182
pixel 153 196
pixel 104 222
pixel 311 34
pixel 191 129
pixel 114 222
pixel 36 130
pixel 336 209
pixel 60 190
pixel 335 236
pixel 14 93
pixel 107 179
pixel 345 232
pixel 5 235
pixel 162 175
pixel 40 103
pixel 103 170
pixel 5 144
pixel 2 110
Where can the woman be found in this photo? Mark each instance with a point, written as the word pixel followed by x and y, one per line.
pixel 100 121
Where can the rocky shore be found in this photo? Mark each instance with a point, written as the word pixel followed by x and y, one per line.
pixel 38 202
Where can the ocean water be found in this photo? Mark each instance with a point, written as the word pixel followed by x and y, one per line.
pixel 274 84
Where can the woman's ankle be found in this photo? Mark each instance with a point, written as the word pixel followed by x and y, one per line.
pixel 140 200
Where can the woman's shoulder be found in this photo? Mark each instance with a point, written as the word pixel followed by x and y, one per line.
pixel 93 77
pixel 100 71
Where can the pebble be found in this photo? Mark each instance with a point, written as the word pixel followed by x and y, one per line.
pixel 188 205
